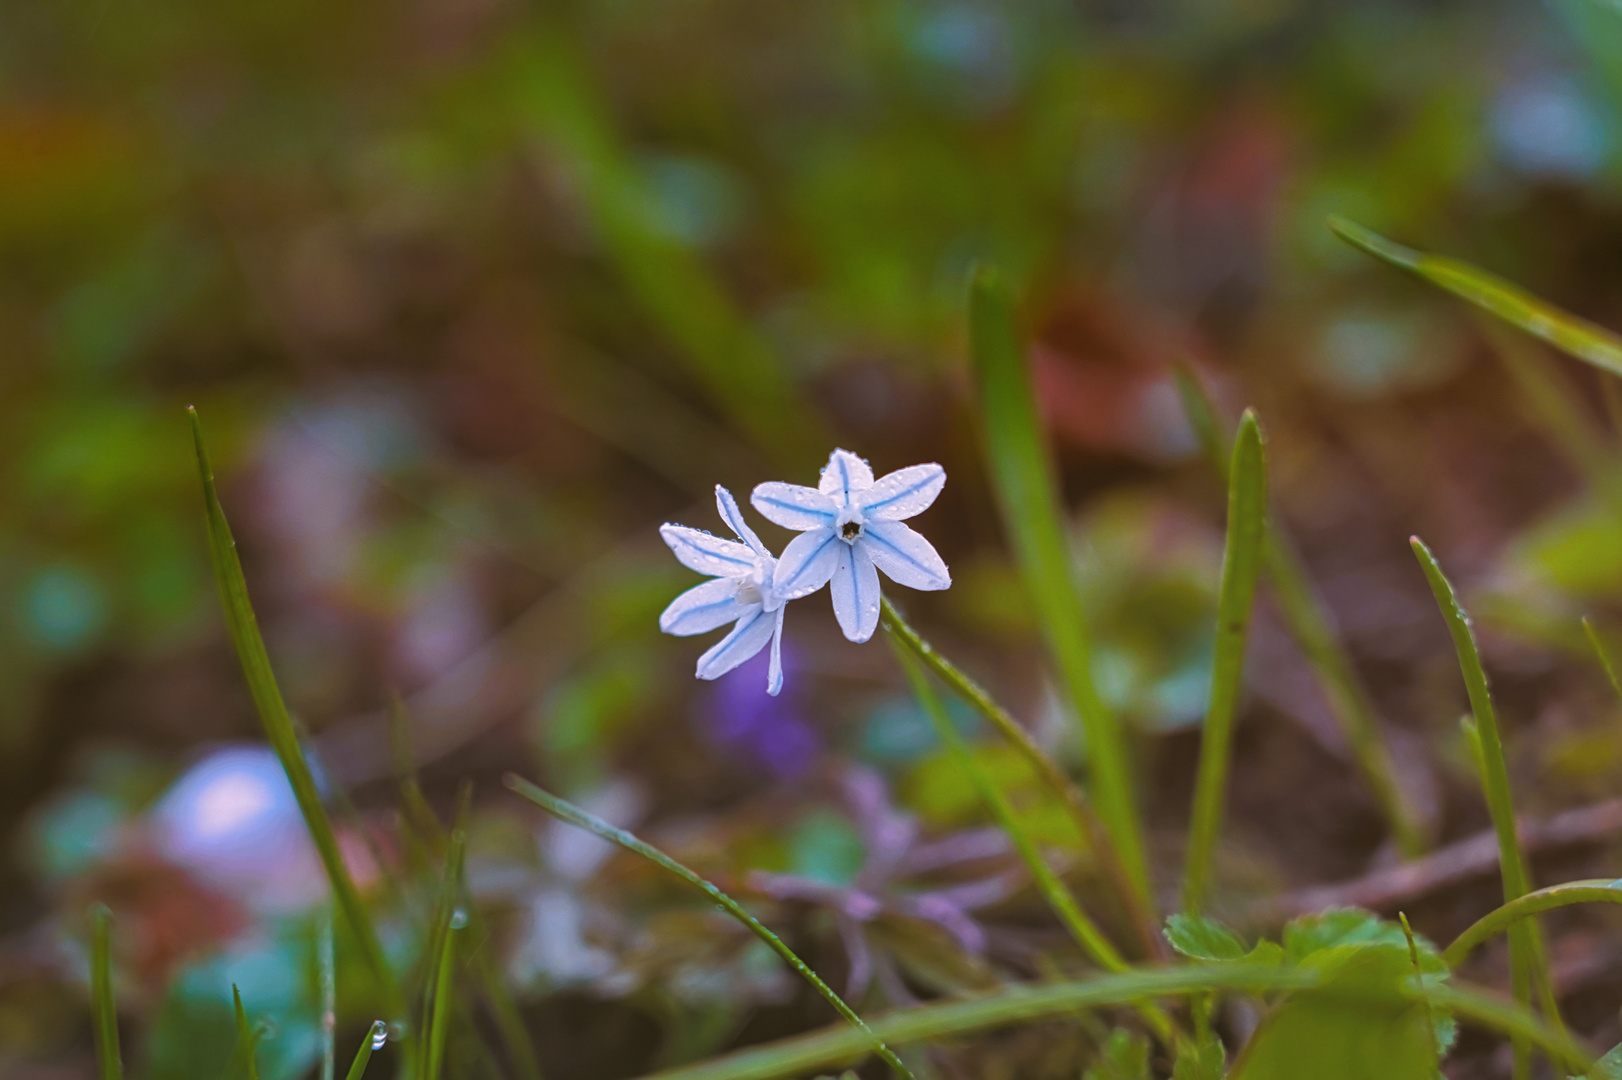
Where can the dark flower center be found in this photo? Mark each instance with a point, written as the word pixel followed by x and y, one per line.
pixel 851 530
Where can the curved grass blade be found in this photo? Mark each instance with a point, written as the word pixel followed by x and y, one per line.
pixel 278 724
pixel 1312 627
pixel 1085 932
pixel 1493 294
pixel 101 993
pixel 1080 810
pixel 574 815
pixel 376 1036
pixel 1592 891
pixel 1023 479
pixel 1603 651
pixel 1241 566
pixel 836 1046
pixel 247 1039
pixel 1525 942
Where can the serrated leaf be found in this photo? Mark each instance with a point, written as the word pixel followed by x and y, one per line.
pixel 1312 934
pixel 1200 938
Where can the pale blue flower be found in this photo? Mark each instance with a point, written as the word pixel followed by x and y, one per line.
pixel 851 528
pixel 742 594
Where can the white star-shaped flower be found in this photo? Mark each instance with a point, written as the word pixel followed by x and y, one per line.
pixel 851 528
pixel 741 594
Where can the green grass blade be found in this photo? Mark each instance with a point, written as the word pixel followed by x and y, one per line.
pixel 439 934
pixel 1081 928
pixel 1023 479
pixel 1594 891
pixel 1553 404
pixel 1081 811
pixel 443 1002
pixel 1241 566
pixel 1603 651
pixel 247 1040
pixel 1525 942
pixel 834 1047
pixel 278 725
pixel 574 815
pixel 375 1036
pixel 102 1003
pixel 504 1010
pixel 1493 294
pixel 1312 628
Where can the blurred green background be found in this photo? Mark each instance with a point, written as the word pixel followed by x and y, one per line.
pixel 473 294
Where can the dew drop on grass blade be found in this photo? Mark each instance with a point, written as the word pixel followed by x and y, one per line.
pixel 574 815
pixel 1241 566
pixel 375 1037
pixel 101 993
pixel 1513 304
pixel 278 724
pixel 1023 479
pixel 1525 941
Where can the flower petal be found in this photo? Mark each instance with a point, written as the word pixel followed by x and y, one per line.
pixel 745 640
pixel 807 563
pixel 855 589
pixel 844 474
pixel 905 555
pixel 793 506
pixel 703 608
pixel 730 514
pixel 903 493
pixel 774 676
pixel 698 550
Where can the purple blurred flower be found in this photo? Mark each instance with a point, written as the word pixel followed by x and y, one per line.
pixel 744 719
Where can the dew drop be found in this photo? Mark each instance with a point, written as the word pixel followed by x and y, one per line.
pixel 458 918
pixel 380 1034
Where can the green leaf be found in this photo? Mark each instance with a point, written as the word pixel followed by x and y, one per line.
pixel 1516 306
pixel 574 815
pixel 1356 1026
pixel 1608 1067
pixel 1341 927
pixel 1241 566
pixel 1202 938
pixel 1023 478
pixel 101 993
pixel 1124 1056
pixel 278 724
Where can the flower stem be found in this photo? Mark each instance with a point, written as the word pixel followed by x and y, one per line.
pixel 1082 929
pixel 1137 907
